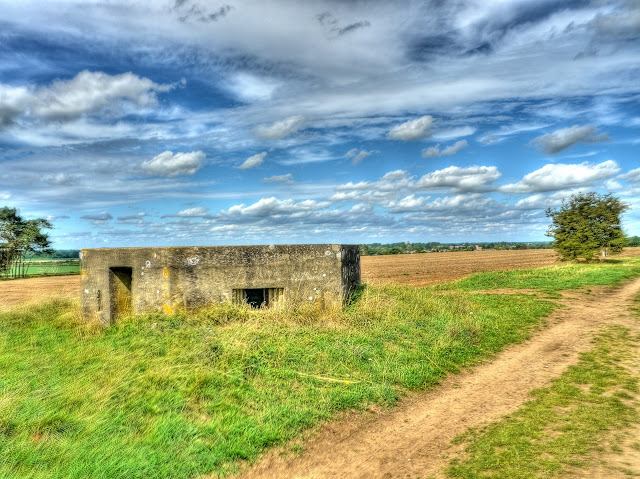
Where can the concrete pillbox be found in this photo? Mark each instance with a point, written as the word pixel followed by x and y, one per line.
pixel 122 281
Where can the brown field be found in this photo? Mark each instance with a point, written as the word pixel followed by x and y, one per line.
pixel 413 269
pixel 431 268
pixel 17 292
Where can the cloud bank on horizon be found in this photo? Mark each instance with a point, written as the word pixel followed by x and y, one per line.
pixel 192 122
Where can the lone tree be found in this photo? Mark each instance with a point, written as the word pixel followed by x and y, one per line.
pixel 19 237
pixel 587 225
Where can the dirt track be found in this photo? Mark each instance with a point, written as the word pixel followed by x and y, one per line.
pixel 414 440
pixel 411 441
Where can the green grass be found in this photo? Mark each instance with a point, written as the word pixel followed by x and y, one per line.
pixel 52 270
pixel 559 430
pixel 173 396
pixel 554 278
pixel 177 396
pixel 52 267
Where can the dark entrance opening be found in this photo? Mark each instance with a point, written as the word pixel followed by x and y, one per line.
pixel 120 279
pixel 255 297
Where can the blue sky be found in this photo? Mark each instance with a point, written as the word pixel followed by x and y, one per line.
pixel 195 122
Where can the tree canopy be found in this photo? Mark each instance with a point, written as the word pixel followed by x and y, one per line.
pixel 586 225
pixel 19 237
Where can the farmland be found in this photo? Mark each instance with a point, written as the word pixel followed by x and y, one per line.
pixel 17 292
pixel 46 267
pixel 426 269
pixel 187 395
pixel 408 269
pixel 53 267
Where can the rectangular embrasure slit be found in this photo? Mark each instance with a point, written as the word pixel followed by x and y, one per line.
pixel 259 297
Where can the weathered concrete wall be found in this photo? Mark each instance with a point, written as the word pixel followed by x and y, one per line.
pixel 118 281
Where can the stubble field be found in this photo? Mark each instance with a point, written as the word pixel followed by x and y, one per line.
pixel 425 269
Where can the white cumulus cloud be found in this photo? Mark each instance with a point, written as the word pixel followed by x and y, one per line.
pixel 434 151
pixel 387 190
pixel 104 216
pixel 395 175
pixel 279 129
pixel 412 129
pixel 138 216
pixel 196 212
pixel 87 92
pixel 632 175
pixel 409 203
pixel 453 133
pixel 251 88
pixel 562 139
pixel 168 164
pixel 559 176
pixel 459 180
pixel 272 206
pixel 541 201
pixel 457 204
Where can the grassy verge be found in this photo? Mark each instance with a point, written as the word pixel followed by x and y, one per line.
pixel 554 278
pixel 559 430
pixel 177 396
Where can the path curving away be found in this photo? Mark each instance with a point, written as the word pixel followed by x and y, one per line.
pixel 414 439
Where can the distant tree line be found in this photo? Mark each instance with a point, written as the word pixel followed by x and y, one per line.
pixel 373 249
pixel 64 254
pixel 633 241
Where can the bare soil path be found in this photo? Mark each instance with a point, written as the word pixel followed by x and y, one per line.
pixel 414 439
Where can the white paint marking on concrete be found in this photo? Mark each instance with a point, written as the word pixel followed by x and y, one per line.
pixel 193 261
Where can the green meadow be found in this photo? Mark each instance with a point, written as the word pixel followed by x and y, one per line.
pixel 50 267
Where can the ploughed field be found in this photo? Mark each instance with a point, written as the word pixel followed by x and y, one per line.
pixel 419 269
pixel 423 269
pixel 15 292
